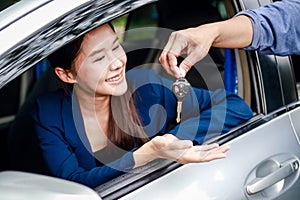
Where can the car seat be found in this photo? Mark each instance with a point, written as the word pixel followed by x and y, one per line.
pixel 23 148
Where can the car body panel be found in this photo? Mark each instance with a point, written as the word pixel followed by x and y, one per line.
pixel 226 179
pixel 21 185
pixel 294 115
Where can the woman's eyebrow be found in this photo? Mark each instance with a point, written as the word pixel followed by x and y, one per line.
pixel 95 52
pixel 99 50
pixel 116 39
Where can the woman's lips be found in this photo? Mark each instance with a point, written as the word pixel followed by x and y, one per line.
pixel 115 79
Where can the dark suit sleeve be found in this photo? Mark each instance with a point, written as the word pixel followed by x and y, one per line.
pixel 66 159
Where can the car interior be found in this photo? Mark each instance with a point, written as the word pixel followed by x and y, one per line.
pixel 19 148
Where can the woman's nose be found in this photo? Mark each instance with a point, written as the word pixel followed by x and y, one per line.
pixel 116 64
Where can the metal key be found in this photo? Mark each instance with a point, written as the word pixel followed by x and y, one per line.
pixel 181 87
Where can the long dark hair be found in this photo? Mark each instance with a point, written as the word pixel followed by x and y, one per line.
pixel 131 134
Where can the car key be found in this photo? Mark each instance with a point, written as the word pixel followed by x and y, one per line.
pixel 181 88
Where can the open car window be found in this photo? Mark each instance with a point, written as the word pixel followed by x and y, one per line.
pixel 143 28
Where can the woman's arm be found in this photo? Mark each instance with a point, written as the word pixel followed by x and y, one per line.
pixel 65 154
pixel 62 158
pixel 62 161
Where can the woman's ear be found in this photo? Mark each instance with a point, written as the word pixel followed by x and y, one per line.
pixel 65 75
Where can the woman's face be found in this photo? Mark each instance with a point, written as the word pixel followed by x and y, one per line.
pixel 100 64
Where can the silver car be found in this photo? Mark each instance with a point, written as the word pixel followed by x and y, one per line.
pixel 263 162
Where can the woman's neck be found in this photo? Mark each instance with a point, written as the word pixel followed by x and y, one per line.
pixel 95 112
pixel 90 103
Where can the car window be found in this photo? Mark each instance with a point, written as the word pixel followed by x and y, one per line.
pixel 143 17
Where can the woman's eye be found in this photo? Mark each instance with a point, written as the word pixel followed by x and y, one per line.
pixel 99 59
pixel 116 47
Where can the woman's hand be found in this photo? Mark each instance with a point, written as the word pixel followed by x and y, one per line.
pixel 203 153
pixel 170 147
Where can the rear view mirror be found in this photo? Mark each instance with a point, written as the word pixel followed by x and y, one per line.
pixel 22 185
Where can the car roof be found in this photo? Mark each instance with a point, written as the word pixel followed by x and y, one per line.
pixel 19 9
pixel 25 17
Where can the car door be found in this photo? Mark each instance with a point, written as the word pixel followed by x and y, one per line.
pixel 263 162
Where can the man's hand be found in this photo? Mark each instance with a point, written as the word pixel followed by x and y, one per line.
pixel 193 42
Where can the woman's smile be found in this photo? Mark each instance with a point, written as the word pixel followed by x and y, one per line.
pixel 116 79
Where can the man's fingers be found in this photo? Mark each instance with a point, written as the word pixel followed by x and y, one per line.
pixel 171 51
pixel 169 63
pixel 185 66
pixel 164 59
pixel 192 58
pixel 169 46
pixel 175 47
pixel 172 59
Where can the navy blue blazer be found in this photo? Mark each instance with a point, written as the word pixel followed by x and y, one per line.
pixel 67 151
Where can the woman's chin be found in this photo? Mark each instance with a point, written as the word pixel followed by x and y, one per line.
pixel 120 89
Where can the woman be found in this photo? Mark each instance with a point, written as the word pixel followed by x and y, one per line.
pixel 97 128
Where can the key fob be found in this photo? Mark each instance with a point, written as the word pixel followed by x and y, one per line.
pixel 181 87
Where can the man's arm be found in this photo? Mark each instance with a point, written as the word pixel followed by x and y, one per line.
pixel 270 29
pixel 276 28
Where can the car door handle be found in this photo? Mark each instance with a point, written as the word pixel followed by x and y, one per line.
pixel 286 168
